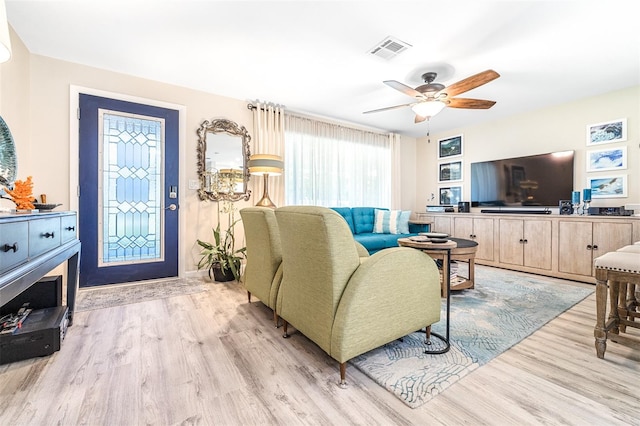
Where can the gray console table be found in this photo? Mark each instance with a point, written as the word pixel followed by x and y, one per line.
pixel 33 244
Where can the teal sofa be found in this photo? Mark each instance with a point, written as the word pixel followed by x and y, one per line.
pixel 361 221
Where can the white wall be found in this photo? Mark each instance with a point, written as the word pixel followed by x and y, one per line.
pixel 558 128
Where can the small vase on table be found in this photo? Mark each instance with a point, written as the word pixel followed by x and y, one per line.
pixel 575 202
pixel 586 195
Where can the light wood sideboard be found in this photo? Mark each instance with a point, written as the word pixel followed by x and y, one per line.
pixel 561 246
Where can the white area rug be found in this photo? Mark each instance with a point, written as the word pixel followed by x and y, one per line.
pixel 123 294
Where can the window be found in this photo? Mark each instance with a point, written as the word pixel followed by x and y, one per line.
pixel 331 165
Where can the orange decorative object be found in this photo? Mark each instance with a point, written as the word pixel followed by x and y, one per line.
pixel 22 194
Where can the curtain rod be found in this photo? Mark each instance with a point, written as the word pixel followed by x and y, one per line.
pixel 252 107
pixel 328 120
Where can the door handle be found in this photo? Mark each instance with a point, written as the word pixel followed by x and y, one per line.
pixel 171 207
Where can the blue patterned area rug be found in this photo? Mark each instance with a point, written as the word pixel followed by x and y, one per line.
pixel 504 308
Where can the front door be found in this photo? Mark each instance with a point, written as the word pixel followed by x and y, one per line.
pixel 128 173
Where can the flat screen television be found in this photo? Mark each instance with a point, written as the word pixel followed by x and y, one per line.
pixel 536 180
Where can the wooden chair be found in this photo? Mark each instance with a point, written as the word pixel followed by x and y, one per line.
pixel 633 290
pixel 621 271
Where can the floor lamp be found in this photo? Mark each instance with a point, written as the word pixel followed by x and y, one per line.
pixel 265 165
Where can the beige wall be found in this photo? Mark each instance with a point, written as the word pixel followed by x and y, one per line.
pixel 559 128
pixel 14 102
pixel 408 167
pixel 35 102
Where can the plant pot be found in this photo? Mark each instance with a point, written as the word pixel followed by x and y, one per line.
pixel 219 276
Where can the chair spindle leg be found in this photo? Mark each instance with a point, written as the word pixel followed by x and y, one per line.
pixel 343 374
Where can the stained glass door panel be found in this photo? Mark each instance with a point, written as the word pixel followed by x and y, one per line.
pixel 131 182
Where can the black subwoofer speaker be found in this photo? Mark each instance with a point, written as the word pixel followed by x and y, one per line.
pixel 565 207
pixel 463 207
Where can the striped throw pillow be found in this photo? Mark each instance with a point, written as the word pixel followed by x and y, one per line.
pixel 391 222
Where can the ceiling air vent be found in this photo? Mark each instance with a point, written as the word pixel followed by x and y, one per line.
pixel 389 48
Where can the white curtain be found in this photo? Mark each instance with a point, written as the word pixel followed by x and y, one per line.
pixel 268 138
pixel 396 168
pixel 332 165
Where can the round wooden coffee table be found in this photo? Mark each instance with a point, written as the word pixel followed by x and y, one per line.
pixel 461 249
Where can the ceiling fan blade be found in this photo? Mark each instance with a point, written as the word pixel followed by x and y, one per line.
pixel 469 103
pixel 403 88
pixel 388 108
pixel 470 83
pixel 419 119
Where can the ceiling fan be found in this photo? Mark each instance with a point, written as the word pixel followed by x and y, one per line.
pixel 431 98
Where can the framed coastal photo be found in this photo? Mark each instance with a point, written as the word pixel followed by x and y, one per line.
pixel 607 132
pixel 608 186
pixel 450 147
pixel 450 172
pixel 450 195
pixel 607 159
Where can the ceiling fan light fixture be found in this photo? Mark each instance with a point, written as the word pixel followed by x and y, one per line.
pixel 428 108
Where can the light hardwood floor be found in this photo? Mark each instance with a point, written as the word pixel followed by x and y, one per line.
pixel 211 358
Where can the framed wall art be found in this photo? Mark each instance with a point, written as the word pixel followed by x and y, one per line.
pixel 450 147
pixel 450 172
pixel 607 132
pixel 450 195
pixel 607 159
pixel 608 186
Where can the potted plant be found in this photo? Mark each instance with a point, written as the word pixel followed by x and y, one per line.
pixel 221 257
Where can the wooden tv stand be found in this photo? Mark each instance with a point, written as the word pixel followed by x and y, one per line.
pixel 560 246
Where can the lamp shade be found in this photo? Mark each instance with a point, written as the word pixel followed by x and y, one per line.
pixel 5 41
pixel 428 108
pixel 261 164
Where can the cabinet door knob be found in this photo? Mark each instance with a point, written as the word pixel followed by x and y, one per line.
pixel 589 247
pixel 595 247
pixel 526 241
pixel 70 228
pixel 8 247
pixel 521 241
pixel 48 235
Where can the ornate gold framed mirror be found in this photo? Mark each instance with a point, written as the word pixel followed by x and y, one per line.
pixel 223 156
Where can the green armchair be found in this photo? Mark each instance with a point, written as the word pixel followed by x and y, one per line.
pixel 263 270
pixel 345 303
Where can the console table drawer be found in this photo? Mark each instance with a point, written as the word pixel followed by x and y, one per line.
pixel 44 235
pixel 14 245
pixel 67 228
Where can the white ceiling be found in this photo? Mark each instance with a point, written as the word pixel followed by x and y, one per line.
pixel 312 56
